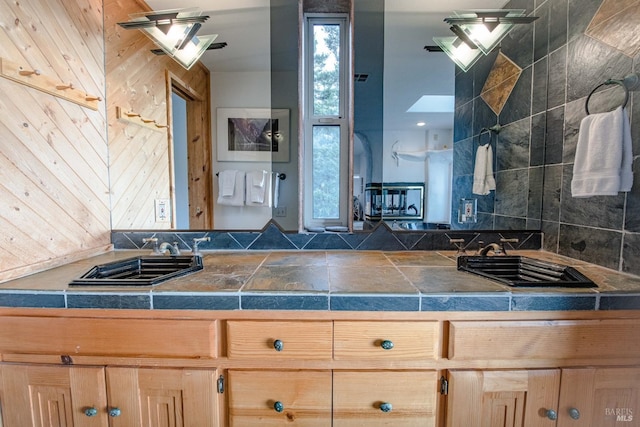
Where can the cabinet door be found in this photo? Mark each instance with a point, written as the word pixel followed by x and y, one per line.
pixel 162 397
pixel 53 396
pixel 384 398
pixel 279 398
pixel 503 398
pixel 602 397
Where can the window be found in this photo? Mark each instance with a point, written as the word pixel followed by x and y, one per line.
pixel 326 142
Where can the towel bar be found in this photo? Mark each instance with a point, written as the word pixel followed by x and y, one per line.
pixel 608 82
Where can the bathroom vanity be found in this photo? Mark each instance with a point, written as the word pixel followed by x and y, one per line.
pixel 312 339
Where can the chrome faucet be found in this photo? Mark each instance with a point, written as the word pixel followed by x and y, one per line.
pixel 495 247
pixel 197 241
pixel 168 247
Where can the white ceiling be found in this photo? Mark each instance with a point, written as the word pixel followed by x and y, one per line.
pixel 245 26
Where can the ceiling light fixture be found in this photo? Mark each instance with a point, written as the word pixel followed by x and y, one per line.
pixel 174 31
pixel 458 51
pixel 478 32
pixel 487 28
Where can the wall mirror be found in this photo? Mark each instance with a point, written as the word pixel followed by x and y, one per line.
pixel 403 107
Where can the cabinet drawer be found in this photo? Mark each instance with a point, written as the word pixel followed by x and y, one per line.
pixel 384 398
pixel 279 340
pixel 108 337
pixel 276 398
pixel 563 339
pixel 385 340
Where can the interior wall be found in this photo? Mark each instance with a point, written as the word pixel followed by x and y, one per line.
pixel 54 181
pixel 139 157
pixel 239 90
pixel 535 150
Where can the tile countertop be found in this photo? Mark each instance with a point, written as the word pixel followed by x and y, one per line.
pixel 324 280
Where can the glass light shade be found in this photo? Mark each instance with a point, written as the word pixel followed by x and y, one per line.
pixel 170 36
pixel 458 51
pixel 190 54
pixel 489 34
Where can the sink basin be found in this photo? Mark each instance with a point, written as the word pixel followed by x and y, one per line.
pixel 521 271
pixel 139 271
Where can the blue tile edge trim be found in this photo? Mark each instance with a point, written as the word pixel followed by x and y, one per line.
pixel 619 302
pixel 322 301
pixel 541 302
pixel 475 302
pixel 32 299
pixel 374 303
pixel 284 302
pixel 196 301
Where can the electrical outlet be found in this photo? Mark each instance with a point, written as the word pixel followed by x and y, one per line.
pixel 280 211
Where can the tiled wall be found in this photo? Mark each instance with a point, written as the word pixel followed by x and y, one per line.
pixel 381 238
pixel 536 148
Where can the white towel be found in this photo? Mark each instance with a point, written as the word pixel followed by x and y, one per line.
pixel 276 189
pixel 258 188
pixel 227 182
pixel 483 180
pixel 603 162
pixel 237 197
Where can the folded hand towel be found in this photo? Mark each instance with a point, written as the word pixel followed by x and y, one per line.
pixel 603 161
pixel 227 182
pixel 257 190
pixel 626 172
pixel 483 180
pixel 237 197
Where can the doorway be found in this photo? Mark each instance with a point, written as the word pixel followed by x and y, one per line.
pixel 189 156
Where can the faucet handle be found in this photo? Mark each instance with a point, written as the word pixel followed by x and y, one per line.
pixel 153 240
pixel 503 241
pixel 197 241
pixel 459 244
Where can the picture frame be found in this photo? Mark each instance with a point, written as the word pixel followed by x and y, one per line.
pixel 253 135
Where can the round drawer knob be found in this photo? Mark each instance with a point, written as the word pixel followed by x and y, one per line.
pixel 115 412
pixel 551 414
pixel 91 412
pixel 574 413
pixel 386 407
pixel 278 406
pixel 386 344
pixel 278 345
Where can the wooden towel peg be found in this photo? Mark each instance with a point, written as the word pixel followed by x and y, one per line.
pixel 64 87
pixel 92 98
pixel 131 114
pixel 29 72
pixel 147 120
pixel 158 125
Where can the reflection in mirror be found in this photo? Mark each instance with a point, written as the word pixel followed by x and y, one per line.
pixel 396 86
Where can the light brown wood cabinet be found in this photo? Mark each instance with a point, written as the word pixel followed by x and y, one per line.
pixel 573 397
pixel 334 369
pixel 54 396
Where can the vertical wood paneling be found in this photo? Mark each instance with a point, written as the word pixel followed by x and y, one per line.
pixel 139 157
pixel 54 180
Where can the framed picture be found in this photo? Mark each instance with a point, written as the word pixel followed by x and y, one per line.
pixel 253 135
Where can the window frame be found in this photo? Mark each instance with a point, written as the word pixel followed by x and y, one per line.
pixel 341 119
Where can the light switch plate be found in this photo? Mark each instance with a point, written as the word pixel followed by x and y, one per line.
pixel 163 210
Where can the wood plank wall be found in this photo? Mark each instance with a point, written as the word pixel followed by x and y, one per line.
pixel 54 181
pixel 139 157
